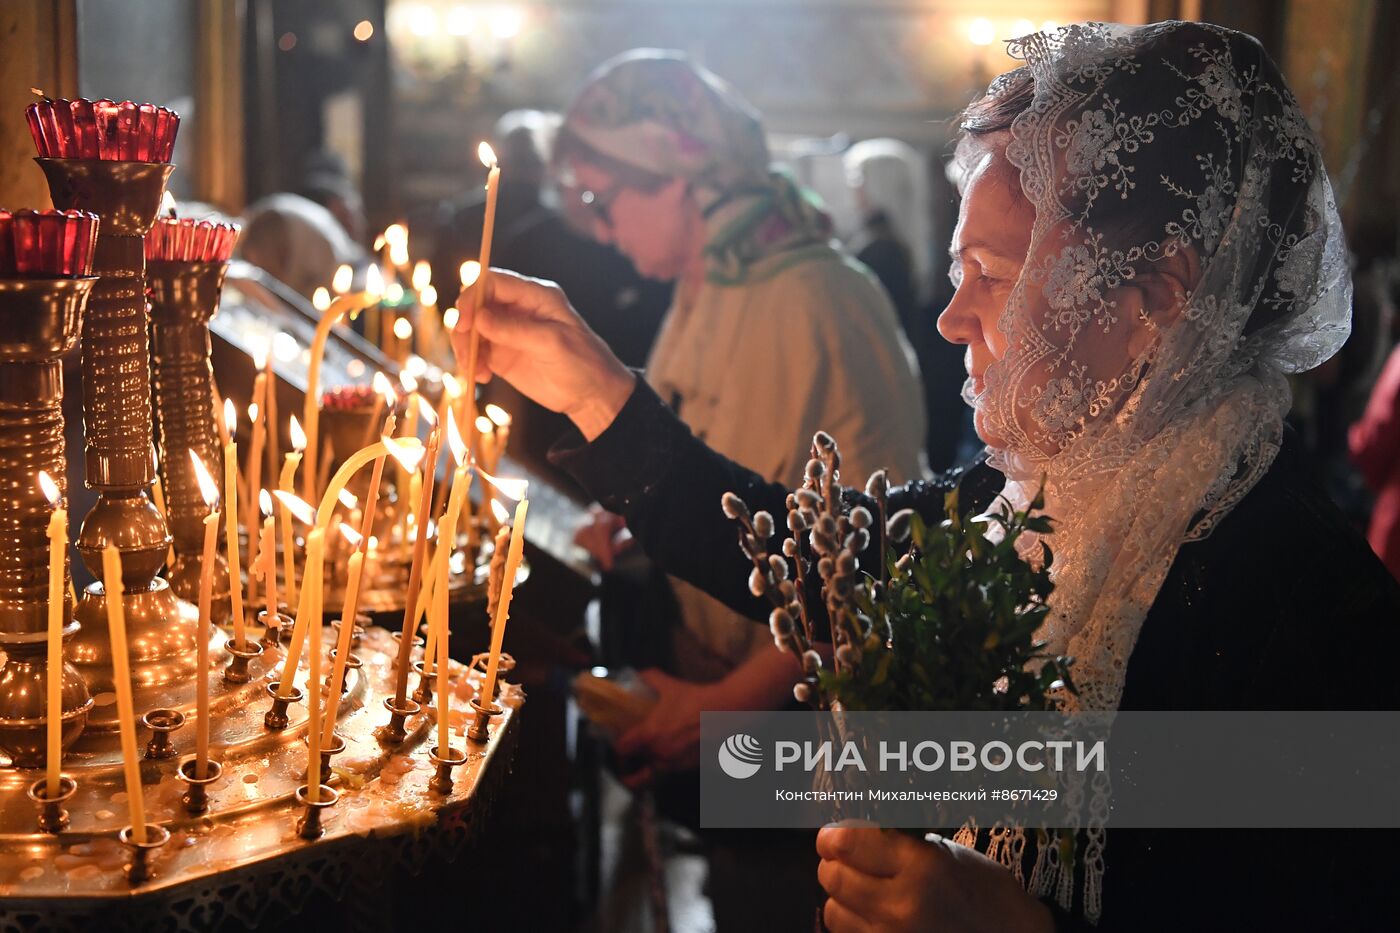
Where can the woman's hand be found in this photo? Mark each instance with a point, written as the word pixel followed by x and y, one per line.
pixel 881 880
pixel 532 338
pixel 669 738
pixel 604 536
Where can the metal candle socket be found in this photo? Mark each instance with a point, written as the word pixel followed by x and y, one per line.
pixel 237 670
pixel 309 826
pixel 353 662
pixel 196 799
pixel 276 717
pixel 162 722
pixel 423 694
pixel 395 732
pixel 139 869
pixel 329 751
pixel 479 731
pixel 52 817
pixel 273 629
pixel 441 782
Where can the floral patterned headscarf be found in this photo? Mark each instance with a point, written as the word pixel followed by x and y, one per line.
pixel 658 112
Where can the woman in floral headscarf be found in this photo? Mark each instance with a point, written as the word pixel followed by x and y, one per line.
pixel 1147 246
pixel 774 332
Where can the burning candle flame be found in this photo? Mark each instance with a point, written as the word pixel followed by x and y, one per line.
pixel 451 385
pixel 49 487
pixel 450 318
pixel 167 204
pixel 408 451
pixel 344 278
pixel 347 498
pixel 422 274
pixel 486 154
pixel 427 296
pixel 484 425
pixel 320 298
pixel 394 292
pixel 260 357
pixel 208 489
pixel 351 535
pixel 498 415
pixel 510 488
pixel 426 409
pixel 403 328
pixel 298 435
pixel 384 387
pixel 253 412
pixel 455 442
pixel 501 512
pixel 469 272
pixel 230 417
pixel 410 385
pixel 264 503
pixel 374 281
pixel 300 510
pixel 416 366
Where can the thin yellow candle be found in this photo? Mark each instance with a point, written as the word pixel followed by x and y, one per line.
pixel 274 441
pixel 311 407
pixel 58 572
pixel 409 452
pixel 235 565
pixel 498 623
pixel 284 484
pixel 267 562
pixel 415 574
pixel 447 537
pixel 347 628
pixel 314 543
pixel 502 420
pixel 210 491
pixel 488 228
pixel 158 497
pixel 121 682
pixel 255 453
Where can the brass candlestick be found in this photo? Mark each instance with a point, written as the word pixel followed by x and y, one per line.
pixel 276 717
pixel 274 627
pixel 162 722
pixel 117 430
pixel 139 870
pixel 237 670
pixel 184 296
pixel 309 826
pixel 441 782
pixel 39 322
pixel 52 817
pixel 423 693
pixel 479 731
pixel 196 799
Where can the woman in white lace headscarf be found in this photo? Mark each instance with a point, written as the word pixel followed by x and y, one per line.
pixel 1147 246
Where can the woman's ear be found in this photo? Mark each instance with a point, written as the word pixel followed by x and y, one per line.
pixel 1165 287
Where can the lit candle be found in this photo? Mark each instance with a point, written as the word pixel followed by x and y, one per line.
pixel 347 628
pixel 267 558
pixel 274 441
pixel 501 419
pixel 210 491
pixel 121 682
pixel 311 407
pixel 58 572
pixel 312 607
pixel 255 454
pixel 488 229
pixel 447 537
pixel 343 280
pixel 407 450
pixel 498 622
pixel 415 573
pixel 235 565
pixel 284 484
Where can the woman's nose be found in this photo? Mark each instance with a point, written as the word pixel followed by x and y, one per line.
pixel 958 322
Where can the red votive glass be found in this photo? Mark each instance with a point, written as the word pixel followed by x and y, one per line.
pixel 103 129
pixel 50 244
pixel 7 244
pixel 183 239
pixel 349 398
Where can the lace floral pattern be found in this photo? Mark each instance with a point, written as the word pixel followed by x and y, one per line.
pixel 1176 145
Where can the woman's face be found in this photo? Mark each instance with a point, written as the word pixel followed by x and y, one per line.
pixel 988 251
pixel 1064 375
pixel 654 229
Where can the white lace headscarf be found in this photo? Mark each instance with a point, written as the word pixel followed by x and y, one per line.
pixel 1179 144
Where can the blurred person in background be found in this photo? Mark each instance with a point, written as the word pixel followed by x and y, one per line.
pixel 296 241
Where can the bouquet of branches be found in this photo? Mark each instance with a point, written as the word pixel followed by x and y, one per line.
pixel 948 619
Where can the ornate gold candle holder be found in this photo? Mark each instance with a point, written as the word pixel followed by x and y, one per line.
pixel 117 427
pixel 441 781
pixel 276 718
pixel 237 670
pixel 39 321
pixel 423 693
pixel 184 296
